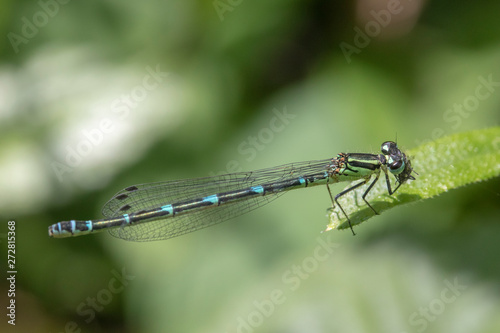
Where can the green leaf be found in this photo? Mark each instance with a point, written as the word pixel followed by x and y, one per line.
pixel 442 165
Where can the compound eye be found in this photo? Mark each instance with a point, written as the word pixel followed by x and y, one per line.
pixel 388 147
pixel 396 167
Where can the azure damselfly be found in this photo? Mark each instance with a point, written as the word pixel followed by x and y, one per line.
pixel 163 210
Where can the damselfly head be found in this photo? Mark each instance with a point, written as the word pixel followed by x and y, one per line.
pixel 397 162
pixel 406 174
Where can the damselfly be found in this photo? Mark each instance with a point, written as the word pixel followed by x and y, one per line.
pixel 163 210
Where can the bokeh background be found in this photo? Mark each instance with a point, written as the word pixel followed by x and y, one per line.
pixel 99 95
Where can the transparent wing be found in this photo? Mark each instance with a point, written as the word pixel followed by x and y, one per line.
pixel 154 195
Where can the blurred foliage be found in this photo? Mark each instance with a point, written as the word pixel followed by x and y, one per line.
pixel 96 96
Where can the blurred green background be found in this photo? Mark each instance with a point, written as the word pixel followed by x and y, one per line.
pixel 241 85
